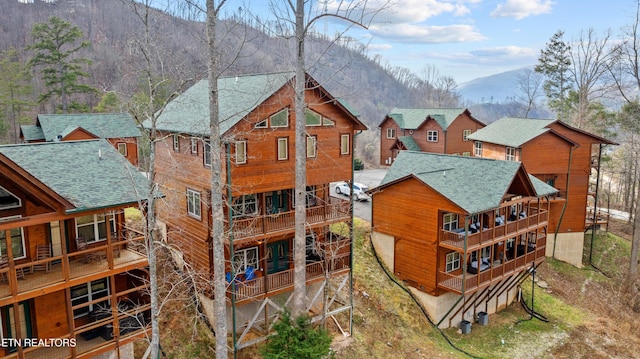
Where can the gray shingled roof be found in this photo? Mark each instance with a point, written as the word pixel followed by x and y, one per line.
pixel 89 174
pixel 475 184
pixel 412 118
pixel 512 131
pixel 103 125
pixel 32 132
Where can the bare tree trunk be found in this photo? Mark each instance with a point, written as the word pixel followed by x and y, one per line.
pixel 632 274
pixel 217 212
pixel 299 275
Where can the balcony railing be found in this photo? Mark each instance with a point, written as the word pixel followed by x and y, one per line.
pixel 258 225
pixel 276 282
pixel 496 233
pixel 118 256
pixel 495 272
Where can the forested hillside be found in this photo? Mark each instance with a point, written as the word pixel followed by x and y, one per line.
pixel 112 27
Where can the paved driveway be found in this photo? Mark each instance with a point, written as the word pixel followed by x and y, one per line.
pixel 371 178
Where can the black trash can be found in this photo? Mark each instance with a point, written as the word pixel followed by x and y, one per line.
pixel 465 327
pixel 483 318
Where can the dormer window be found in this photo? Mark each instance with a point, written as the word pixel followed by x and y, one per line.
pixel 8 200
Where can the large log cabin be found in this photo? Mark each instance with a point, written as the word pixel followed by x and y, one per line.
pixel 561 155
pixel 120 129
pixel 460 230
pixel 258 131
pixel 436 130
pixel 71 275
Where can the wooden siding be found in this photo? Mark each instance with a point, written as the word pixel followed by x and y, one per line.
pixel 455 142
pixel 180 170
pixel 386 144
pixel 51 323
pixel 409 212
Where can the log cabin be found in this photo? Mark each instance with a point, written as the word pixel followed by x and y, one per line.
pixel 120 129
pixel 258 132
pixel 460 230
pixel 72 277
pixel 436 130
pixel 563 156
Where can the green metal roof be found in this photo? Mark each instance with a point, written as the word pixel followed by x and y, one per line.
pixel 103 125
pixel 90 174
pixel 412 118
pixel 512 131
pixel 475 184
pixel 32 132
pixel 409 143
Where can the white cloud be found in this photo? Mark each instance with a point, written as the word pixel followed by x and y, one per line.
pixel 519 9
pixel 421 34
pixel 404 11
pixel 379 47
pixel 505 52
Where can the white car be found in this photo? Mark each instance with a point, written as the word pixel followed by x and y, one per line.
pixel 359 190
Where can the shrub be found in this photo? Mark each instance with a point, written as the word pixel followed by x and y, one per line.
pixel 297 339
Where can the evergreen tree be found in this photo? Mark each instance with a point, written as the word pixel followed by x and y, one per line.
pixel 56 52
pixel 297 340
pixel 553 63
pixel 15 92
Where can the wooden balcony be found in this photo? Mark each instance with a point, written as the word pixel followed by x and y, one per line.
pixel 271 284
pixel 493 234
pixel 22 281
pixel 259 226
pixel 597 220
pixel 496 272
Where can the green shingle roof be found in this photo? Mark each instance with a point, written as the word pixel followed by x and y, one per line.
pixel 103 125
pixel 89 174
pixel 475 184
pixel 412 118
pixel 32 132
pixel 409 143
pixel 512 131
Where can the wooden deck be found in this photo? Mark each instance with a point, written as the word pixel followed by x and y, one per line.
pixel 68 270
pixel 283 281
pixel 259 226
pixel 496 272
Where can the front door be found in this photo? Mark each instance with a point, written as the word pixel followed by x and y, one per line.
pixel 277 256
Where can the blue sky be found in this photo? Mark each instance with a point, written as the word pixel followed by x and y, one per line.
pixel 467 39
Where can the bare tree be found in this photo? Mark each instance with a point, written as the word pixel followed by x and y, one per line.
pixel 300 16
pixel 589 64
pixel 529 87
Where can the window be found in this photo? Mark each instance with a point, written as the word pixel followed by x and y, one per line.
pixel 244 258
pixel 450 221
pixel 478 149
pixel 327 122
pixel 280 119
pixel 313 118
pixel 432 136
pixel 122 148
pixel 17 242
pixel 245 205
pixel 465 134
pixel 241 152
pixel 207 153
pixel 8 200
pixel 511 154
pixel 283 149
pixel 391 133
pixel 93 228
pixel 485 253
pixel 453 261
pixel 194 145
pixel 261 124
pixel 88 292
pixel 193 203
pixel 344 145
pixel 311 146
pixel 176 143
pixel 551 182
